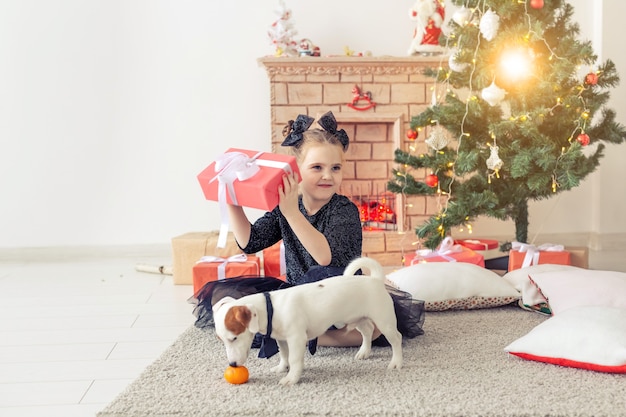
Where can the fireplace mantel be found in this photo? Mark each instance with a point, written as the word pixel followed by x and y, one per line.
pixel 392 89
pixel 384 65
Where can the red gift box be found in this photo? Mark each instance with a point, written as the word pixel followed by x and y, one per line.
pixel 213 268
pixel 274 261
pixel 246 178
pixel 488 248
pixel 523 255
pixel 446 252
pixel 478 244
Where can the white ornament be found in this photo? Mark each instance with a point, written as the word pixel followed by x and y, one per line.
pixel 454 65
pixel 489 24
pixel 493 94
pixel 438 138
pixel 494 162
pixel 462 16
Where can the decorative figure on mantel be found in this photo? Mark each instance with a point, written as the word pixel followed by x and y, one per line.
pixel 358 95
pixel 281 33
pixel 306 48
pixel 429 15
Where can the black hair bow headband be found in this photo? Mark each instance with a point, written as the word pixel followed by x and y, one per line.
pixel 293 132
pixel 329 124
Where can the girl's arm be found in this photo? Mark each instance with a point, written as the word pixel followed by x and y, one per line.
pixel 313 241
pixel 239 224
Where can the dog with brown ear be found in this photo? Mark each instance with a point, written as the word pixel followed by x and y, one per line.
pixel 295 315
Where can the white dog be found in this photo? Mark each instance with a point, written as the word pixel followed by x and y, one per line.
pixel 306 311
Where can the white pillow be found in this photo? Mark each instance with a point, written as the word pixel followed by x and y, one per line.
pixel 586 337
pixel 519 277
pixel 454 285
pixel 579 287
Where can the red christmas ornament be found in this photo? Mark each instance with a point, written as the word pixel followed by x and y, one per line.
pixel 583 139
pixel 591 78
pixel 432 180
pixel 536 4
pixel 411 134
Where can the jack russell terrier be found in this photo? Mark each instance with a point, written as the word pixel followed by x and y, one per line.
pixel 303 312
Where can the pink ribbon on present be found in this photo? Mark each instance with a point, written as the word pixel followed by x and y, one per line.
pixel 231 167
pixel 446 248
pixel 221 268
pixel 533 252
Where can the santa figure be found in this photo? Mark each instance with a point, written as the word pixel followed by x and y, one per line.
pixel 428 15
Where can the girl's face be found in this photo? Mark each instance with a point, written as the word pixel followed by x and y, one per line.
pixel 320 167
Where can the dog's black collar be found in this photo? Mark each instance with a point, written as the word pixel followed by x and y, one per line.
pixel 269 347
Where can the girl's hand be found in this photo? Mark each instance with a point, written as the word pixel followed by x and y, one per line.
pixel 288 195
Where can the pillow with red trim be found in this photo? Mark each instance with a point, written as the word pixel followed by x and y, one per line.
pixel 585 337
pixel 454 286
pixel 565 289
pixel 518 277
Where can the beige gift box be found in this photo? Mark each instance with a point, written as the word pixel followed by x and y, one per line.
pixel 187 249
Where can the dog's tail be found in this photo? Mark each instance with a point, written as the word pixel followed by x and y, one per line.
pixel 372 266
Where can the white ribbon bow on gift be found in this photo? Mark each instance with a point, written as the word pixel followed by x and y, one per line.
pixel 231 167
pixel 221 268
pixel 283 262
pixel 446 248
pixel 533 252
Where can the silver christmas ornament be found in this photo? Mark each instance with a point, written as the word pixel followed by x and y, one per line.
pixel 494 162
pixel 489 24
pixel 438 138
pixel 493 94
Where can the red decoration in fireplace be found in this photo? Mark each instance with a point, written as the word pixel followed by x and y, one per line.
pixel 377 215
pixel 357 96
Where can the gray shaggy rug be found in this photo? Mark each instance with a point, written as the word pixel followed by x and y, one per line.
pixel 457 368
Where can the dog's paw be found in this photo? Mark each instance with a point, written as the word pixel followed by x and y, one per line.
pixel 394 364
pixel 363 353
pixel 280 368
pixel 289 380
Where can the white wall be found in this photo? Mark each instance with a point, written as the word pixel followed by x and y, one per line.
pixel 110 108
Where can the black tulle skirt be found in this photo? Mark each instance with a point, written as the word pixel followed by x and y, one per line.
pixel 409 311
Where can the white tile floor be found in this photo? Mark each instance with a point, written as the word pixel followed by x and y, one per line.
pixel 76 328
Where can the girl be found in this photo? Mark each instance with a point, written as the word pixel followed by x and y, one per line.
pixel 320 229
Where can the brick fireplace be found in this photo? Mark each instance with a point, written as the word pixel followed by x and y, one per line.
pixel 343 85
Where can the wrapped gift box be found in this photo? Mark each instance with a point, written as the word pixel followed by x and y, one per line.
pixel 189 247
pixel 274 261
pixel 212 268
pixel 537 255
pixel 579 256
pixel 246 178
pixel 462 254
pixel 488 248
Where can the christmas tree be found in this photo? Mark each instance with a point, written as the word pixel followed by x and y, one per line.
pixel 523 116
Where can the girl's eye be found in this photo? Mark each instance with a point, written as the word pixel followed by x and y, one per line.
pixel 337 168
